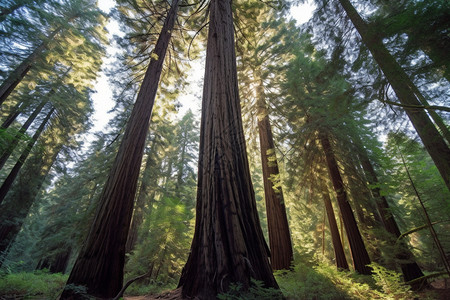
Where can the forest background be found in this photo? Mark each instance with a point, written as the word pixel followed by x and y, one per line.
pixel 335 90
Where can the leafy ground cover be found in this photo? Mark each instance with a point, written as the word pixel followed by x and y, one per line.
pixel 319 281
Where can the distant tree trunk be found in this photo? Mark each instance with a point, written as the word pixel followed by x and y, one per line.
pixel 10 148
pixel 400 82
pixel 16 76
pixel 58 263
pixel 277 223
pixel 341 261
pixel 359 253
pixel 23 194
pixel 228 244
pixel 16 111
pixel 99 265
pixel 15 170
pixel 139 207
pixel 410 269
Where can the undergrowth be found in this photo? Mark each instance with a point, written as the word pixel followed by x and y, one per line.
pixel 304 281
pixel 35 285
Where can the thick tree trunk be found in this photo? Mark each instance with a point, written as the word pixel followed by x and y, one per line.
pixel 99 265
pixel 228 244
pixel 359 253
pixel 277 223
pixel 16 76
pixel 399 80
pixel 10 148
pixel 341 261
pixel 15 170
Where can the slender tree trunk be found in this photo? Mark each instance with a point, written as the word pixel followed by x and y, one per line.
pixel 410 270
pixel 15 170
pixel 228 244
pixel 99 265
pixel 29 182
pixel 139 207
pixel 359 253
pixel 10 148
pixel 341 261
pixel 277 223
pixel 399 80
pixel 16 111
pixel 16 76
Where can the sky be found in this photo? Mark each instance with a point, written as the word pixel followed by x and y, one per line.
pixel 102 98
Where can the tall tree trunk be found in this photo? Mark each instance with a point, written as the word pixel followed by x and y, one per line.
pixel 10 148
pixel 14 113
pixel 341 261
pixel 139 207
pixel 410 269
pixel 29 182
pixel 15 170
pixel 99 265
pixel 399 80
pixel 16 76
pixel 359 253
pixel 277 223
pixel 228 244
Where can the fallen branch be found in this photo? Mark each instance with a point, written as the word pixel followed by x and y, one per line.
pixel 129 282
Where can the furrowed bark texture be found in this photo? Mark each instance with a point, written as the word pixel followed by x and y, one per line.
pixel 277 223
pixel 99 265
pixel 341 261
pixel 359 253
pixel 400 82
pixel 228 244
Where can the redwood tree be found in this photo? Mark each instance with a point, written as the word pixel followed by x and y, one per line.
pixel 408 96
pixel 359 253
pixel 277 223
pixel 341 261
pixel 228 244
pixel 99 265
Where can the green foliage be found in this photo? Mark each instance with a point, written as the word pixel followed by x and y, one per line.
pixel 39 284
pixel 391 283
pixel 323 281
pixel 307 282
pixel 256 291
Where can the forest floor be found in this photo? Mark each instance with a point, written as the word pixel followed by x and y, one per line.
pixel 440 290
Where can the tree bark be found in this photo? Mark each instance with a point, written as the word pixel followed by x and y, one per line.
pixel 277 223
pixel 399 80
pixel 15 170
pixel 99 265
pixel 341 261
pixel 359 253
pixel 228 244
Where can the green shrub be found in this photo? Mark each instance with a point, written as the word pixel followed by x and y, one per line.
pixel 256 291
pixel 39 284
